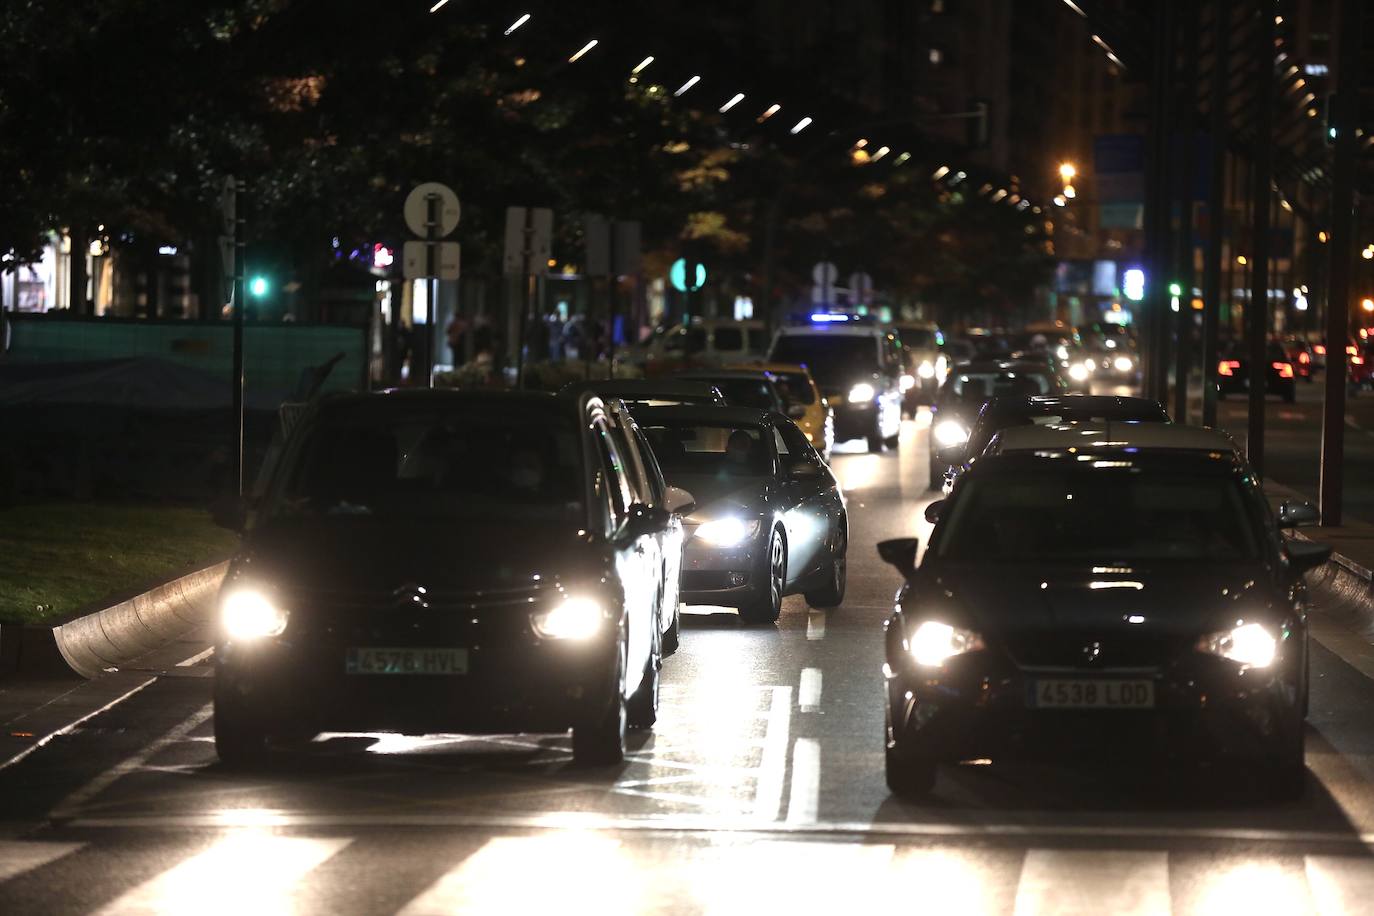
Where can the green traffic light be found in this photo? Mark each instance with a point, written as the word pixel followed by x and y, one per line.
pixel 1175 289
pixel 258 287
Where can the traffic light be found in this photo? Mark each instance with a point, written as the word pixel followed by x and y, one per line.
pixel 259 286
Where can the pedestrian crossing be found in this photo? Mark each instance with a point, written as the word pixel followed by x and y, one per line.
pixel 589 872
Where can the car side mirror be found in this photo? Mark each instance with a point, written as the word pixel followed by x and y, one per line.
pixel 678 501
pixel 644 520
pixel 933 511
pixel 950 455
pixel 900 553
pixel 803 469
pixel 1305 556
pixel 230 511
pixel 796 411
pixel 1293 515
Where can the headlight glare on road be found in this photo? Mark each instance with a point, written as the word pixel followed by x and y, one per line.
pixel 1078 372
pixel 935 643
pixel 1123 364
pixel 861 392
pixel 728 531
pixel 950 432
pixel 1248 644
pixel 248 614
pixel 926 369
pixel 575 618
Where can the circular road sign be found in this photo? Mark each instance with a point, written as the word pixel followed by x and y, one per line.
pixel 417 209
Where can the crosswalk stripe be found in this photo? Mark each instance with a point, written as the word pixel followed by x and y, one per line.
pixel 248 872
pixel 1068 882
pixel 1254 885
pixel 809 692
pixel 793 877
pixel 1340 884
pixel 19 856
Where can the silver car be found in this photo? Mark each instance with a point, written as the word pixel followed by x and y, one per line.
pixel 769 518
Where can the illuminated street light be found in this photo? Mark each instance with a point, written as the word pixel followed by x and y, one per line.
pixel 513 26
pixel 1367 304
pixel 1242 260
pixel 734 100
pixel 1322 237
pixel 440 5
pixel 772 110
pixel 882 151
pixel 801 125
pixel 687 85
pixel 642 64
pixel 941 172
pixel 1067 171
pixel 585 48
pixel 1368 253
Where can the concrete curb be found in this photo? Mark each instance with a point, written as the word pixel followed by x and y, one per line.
pixel 93 643
pixel 1346 589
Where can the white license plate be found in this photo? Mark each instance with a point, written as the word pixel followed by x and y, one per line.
pixel 381 660
pixel 1092 694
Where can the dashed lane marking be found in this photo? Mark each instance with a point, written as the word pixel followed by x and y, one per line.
pixel 803 803
pixel 809 692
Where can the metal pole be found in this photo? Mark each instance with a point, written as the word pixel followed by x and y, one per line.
pixel 1257 314
pixel 1216 215
pixel 1342 245
pixel 240 242
pixel 1187 117
pixel 1158 207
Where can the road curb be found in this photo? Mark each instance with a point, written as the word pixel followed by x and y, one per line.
pixel 1346 590
pixel 89 645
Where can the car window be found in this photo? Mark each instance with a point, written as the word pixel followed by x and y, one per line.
pixel 758 340
pixel 746 392
pixel 654 472
pixel 696 340
pixel 633 468
pixel 612 485
pixel 795 387
pixel 690 448
pixel 832 359
pixel 795 439
pixel 780 445
pixel 1113 515
pixel 729 339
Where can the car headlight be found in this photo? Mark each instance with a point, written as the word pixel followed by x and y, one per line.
pixel 908 382
pixel 950 432
pixel 934 643
pixel 728 532
pixel 1249 644
pixel 926 369
pixel 575 618
pixel 861 392
pixel 1061 351
pixel 1123 364
pixel 1078 372
pixel 249 614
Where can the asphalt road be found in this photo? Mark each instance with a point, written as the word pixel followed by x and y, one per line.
pixel 761 790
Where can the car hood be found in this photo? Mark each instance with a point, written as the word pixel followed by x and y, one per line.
pixel 1172 599
pixel 717 496
pixel 371 555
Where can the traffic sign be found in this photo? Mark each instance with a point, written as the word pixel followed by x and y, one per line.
pixel 417 209
pixel 529 235
pixel 415 260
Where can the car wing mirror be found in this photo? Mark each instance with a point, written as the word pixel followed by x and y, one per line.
pixel 933 511
pixel 900 553
pixel 644 520
pixel 1305 556
pixel 230 511
pixel 1293 515
pixel 678 501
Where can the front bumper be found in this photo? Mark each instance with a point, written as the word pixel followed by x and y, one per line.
pixel 723 576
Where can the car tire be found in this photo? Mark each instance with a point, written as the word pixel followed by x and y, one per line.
pixel 600 741
pixel 831 594
pixel 893 442
pixel 768 607
pixel 642 710
pixel 240 739
pixel 909 776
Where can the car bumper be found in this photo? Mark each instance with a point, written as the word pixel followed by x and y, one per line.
pixel 728 577
pixel 968 711
pixel 539 686
pixel 1239 384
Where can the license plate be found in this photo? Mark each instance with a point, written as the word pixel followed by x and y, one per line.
pixel 1092 694
pixel 377 660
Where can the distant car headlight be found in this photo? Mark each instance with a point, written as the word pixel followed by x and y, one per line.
pixel 950 432
pixel 1062 352
pixel 575 618
pixel 926 369
pixel 728 532
pixel 1078 372
pixel 862 392
pixel 1123 364
pixel 1249 644
pixel 248 614
pixel 941 367
pixel 934 643
pixel 908 382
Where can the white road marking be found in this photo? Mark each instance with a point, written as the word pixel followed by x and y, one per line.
pixel 803 803
pixel 248 872
pixel 72 804
pixel 809 694
pixel 1260 886
pixel 1340 884
pixel 951 881
pixel 72 726
pixel 1068 882
pixel 815 625
pixel 773 767
pixel 197 658
pixel 19 856
pixel 795 878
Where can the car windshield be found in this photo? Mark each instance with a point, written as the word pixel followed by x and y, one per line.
pixel 832 359
pixel 990 424
pixel 917 339
pixel 796 387
pixel 437 464
pixel 1114 515
pixel 690 448
pixel 745 392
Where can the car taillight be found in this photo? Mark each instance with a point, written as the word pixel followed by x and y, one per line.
pixel 1304 358
pixel 1351 351
pixel 1285 369
pixel 1357 360
pixel 1228 366
pixel 1319 349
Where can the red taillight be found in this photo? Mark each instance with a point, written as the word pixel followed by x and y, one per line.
pixel 1304 358
pixel 1228 366
pixel 1285 369
pixel 1319 349
pixel 1351 351
pixel 1357 360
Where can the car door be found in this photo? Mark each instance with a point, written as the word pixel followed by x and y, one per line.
pixel 805 516
pixel 663 557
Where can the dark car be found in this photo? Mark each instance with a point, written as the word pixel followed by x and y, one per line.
pixel 1233 372
pixel 971 385
pixel 658 392
pixel 769 518
pixel 1006 412
pixel 438 561
pixel 1125 596
pixel 1300 354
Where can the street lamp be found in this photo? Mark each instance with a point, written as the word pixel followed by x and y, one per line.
pixel 1067 171
pixel 1367 304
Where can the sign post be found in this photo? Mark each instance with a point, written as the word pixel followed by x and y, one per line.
pixel 529 239
pixel 432 211
pixel 232 211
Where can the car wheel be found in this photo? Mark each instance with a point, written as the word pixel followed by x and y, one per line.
pixel 832 593
pixel 768 607
pixel 240 739
pixel 894 441
pixel 642 710
pixel 908 776
pixel 601 740
pixel 673 638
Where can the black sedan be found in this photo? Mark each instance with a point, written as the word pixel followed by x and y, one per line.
pixel 435 561
pixel 1233 372
pixel 971 385
pixel 769 521
pixel 1043 410
pixel 1124 598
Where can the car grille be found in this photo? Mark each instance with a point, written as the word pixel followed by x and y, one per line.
pixel 710 580
pixel 1088 651
pixel 403 599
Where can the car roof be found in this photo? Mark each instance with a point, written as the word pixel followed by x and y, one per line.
pixel 707 374
pixel 1114 436
pixel 1050 404
pixel 631 388
pixel 833 329
pixel 704 413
